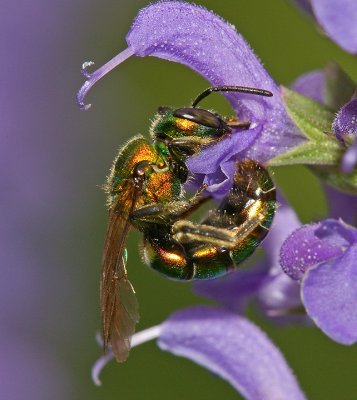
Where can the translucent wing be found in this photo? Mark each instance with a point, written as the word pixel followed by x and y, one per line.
pixel 119 306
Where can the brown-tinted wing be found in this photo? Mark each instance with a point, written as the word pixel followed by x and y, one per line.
pixel 119 306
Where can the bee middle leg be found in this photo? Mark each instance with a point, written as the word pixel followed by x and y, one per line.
pixel 168 213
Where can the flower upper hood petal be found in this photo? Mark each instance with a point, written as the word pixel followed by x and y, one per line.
pixel 193 36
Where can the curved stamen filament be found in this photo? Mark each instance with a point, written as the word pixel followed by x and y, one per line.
pixel 99 365
pixel 136 340
pixel 94 77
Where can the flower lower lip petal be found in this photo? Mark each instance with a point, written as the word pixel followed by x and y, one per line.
pixel 304 249
pixel 233 348
pixel 329 294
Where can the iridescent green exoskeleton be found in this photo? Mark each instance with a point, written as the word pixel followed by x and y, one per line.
pixel 145 191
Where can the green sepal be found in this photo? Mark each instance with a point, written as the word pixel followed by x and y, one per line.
pixel 311 117
pixel 314 120
pixel 308 153
pixel 321 150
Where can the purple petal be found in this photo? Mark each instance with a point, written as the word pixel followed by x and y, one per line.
pixel 235 289
pixel 233 348
pixel 279 296
pixel 279 293
pixel 221 182
pixel 329 293
pixel 311 84
pixel 193 36
pixel 339 21
pixel 303 249
pixel 284 223
pixel 209 159
pixel 345 123
pixel 216 162
pixel 336 233
pixel 341 205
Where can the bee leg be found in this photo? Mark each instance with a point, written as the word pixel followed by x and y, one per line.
pixel 186 232
pixel 168 213
pixel 194 202
pixel 190 145
pixel 235 123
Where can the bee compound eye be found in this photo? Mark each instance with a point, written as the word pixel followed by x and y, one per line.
pixel 141 168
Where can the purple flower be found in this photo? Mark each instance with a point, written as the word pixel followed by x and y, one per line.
pixel 193 36
pixel 275 293
pixel 323 258
pixel 337 18
pixel 226 343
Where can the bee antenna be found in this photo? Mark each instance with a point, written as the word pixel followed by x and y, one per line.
pixel 240 89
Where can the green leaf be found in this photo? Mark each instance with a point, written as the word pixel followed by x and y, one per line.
pixel 313 119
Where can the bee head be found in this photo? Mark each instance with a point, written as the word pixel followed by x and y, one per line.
pixel 187 123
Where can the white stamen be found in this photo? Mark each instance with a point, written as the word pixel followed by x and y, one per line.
pixel 99 365
pixel 145 335
pixel 136 340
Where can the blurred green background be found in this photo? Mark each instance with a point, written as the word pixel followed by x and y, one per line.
pixel 80 147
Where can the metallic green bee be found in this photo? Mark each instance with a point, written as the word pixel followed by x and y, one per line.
pixel 145 191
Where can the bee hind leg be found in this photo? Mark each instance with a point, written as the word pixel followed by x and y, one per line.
pixel 186 232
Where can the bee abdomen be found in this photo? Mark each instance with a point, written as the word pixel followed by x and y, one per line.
pixel 167 258
pixel 224 239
